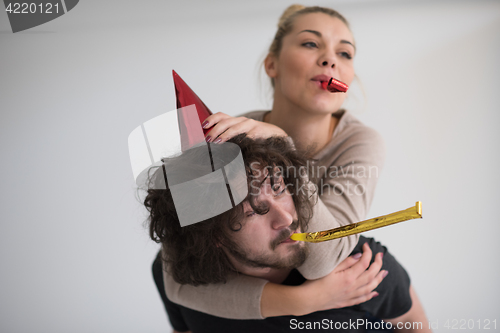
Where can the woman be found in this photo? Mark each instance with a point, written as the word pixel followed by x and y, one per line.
pixel 311 45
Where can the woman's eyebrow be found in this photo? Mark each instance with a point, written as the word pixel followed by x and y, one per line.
pixel 343 41
pixel 317 33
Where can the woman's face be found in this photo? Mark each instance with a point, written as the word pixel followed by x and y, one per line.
pixel 318 47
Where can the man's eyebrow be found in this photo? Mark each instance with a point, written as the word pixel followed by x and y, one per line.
pixel 317 33
pixel 263 180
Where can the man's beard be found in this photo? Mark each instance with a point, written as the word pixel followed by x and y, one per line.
pixel 296 256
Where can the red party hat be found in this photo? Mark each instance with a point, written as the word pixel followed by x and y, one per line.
pixel 185 96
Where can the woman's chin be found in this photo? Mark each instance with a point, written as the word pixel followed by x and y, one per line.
pixel 326 106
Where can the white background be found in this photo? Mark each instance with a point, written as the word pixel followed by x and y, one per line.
pixel 74 254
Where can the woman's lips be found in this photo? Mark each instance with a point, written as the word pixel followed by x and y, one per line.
pixel 321 84
pixel 329 83
pixel 321 77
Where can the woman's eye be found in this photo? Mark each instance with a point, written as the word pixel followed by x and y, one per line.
pixel 310 44
pixel 346 55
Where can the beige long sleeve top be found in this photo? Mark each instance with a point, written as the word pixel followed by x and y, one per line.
pixel 346 173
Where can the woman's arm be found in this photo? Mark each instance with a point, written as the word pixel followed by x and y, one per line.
pixel 346 176
pixel 350 283
pixel 238 298
pixel 246 297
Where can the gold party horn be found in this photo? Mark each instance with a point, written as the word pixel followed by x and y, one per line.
pixel 356 228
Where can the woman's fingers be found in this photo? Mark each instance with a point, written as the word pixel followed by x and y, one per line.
pixel 233 128
pixel 366 292
pixel 353 281
pixel 372 284
pixel 348 262
pixel 360 267
pixel 369 275
pixel 213 119
pixel 222 126
pixel 374 269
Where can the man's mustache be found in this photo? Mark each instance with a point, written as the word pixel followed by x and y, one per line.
pixel 285 234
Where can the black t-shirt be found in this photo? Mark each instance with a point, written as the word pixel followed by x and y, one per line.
pixel 393 301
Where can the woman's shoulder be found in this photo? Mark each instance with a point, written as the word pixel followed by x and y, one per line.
pixel 351 128
pixel 255 115
pixel 351 136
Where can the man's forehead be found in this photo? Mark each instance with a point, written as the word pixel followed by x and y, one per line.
pixel 263 174
pixel 264 180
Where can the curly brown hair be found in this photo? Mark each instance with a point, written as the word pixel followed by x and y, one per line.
pixel 194 254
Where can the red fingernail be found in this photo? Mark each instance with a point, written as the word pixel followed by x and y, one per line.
pixel 357 255
pixel 207 139
pixel 218 140
pixel 205 123
pixel 385 274
pixel 381 255
pixel 376 294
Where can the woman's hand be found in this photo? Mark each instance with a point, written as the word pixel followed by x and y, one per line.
pixel 224 127
pixel 350 283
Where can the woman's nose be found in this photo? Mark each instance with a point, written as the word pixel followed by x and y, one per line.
pixel 326 64
pixel 327 59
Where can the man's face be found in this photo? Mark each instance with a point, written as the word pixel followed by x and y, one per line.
pixel 264 240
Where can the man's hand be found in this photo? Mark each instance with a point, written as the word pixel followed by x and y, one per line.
pixel 224 127
pixel 351 282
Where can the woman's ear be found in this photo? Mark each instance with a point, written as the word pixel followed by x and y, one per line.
pixel 271 66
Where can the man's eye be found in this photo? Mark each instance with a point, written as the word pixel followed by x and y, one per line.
pixel 250 214
pixel 310 44
pixel 279 190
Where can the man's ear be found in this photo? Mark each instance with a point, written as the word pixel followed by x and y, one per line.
pixel 271 66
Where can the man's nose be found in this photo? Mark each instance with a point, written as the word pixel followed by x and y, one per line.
pixel 280 216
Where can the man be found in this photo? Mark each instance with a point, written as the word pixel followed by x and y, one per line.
pixel 252 239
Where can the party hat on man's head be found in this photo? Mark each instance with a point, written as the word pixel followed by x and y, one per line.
pixel 185 96
pixel 169 151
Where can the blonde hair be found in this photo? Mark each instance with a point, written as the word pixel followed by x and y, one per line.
pixel 285 23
